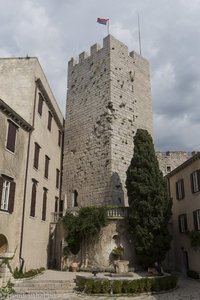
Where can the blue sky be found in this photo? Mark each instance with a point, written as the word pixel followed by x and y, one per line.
pixel 56 30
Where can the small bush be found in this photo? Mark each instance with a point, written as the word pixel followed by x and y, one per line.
pixel 89 286
pixel 96 287
pixel 19 274
pixel 193 274
pixel 80 283
pixel 117 287
pixel 105 287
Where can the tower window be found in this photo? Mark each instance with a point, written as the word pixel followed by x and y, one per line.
pixel 75 199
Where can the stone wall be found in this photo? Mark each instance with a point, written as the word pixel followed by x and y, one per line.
pixel 108 99
pixel 170 160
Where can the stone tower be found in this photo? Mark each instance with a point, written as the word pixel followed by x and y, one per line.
pixel 108 98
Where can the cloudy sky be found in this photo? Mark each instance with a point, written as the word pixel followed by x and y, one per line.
pixel 56 30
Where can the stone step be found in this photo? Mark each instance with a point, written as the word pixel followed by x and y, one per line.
pixel 53 287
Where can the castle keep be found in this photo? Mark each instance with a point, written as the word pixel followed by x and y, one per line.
pixel 108 98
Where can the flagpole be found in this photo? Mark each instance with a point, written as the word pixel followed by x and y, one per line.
pixel 140 48
pixel 108 27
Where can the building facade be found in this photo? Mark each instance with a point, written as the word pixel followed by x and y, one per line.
pixel 184 184
pixel 108 98
pixel 34 166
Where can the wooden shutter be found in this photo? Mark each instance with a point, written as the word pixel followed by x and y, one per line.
pixel 195 220
pixel 36 155
pixel 179 223
pixel 11 136
pixel 59 137
pixel 33 200
pixel 198 179
pixel 192 183
pixel 185 222
pixel 49 121
pixel 57 178
pixel 11 197
pixel 1 188
pixel 182 189
pixel 177 196
pixel 40 104
pixel 44 206
pixel 46 170
pixel 56 204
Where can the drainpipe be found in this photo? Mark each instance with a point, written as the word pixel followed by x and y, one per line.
pixel 21 259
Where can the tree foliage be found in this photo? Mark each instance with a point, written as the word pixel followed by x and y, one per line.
pixel 150 205
pixel 87 223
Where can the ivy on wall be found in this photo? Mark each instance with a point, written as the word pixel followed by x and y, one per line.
pixel 87 223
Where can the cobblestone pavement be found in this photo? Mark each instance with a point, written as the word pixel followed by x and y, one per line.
pixel 187 289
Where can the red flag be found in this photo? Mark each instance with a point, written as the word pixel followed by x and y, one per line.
pixel 102 21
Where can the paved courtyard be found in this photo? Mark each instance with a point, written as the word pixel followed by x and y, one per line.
pixel 187 289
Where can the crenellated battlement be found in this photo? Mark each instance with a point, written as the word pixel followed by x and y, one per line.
pixel 109 44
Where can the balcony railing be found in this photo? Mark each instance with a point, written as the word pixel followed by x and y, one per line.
pixel 117 212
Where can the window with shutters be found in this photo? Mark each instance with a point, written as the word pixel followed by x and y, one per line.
pixel 46 167
pixel 195 181
pixel 182 219
pixel 57 178
pixel 40 104
pixel 180 192
pixel 196 217
pixel 44 205
pixel 36 156
pixel 49 121
pixel 11 136
pixel 33 198
pixel 7 194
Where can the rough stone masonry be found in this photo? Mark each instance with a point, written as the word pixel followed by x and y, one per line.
pixel 108 98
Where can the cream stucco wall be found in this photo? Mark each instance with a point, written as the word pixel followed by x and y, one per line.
pixel 187 205
pixel 21 80
pixel 13 165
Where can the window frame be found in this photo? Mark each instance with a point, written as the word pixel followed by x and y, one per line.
pixel 36 156
pixel 33 198
pixel 40 104
pixel 46 167
pixel 7 194
pixel 180 190
pixel 195 181
pixel 196 219
pixel 44 204
pixel 182 220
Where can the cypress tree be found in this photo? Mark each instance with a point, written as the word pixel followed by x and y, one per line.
pixel 150 205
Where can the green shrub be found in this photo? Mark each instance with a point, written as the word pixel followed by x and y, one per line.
pixel 126 287
pixel 89 286
pixel 19 274
pixel 193 274
pixel 96 287
pixel 80 283
pixel 117 287
pixel 105 287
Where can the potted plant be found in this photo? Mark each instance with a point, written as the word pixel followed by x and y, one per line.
pixel 117 253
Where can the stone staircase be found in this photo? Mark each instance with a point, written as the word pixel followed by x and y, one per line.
pixel 45 288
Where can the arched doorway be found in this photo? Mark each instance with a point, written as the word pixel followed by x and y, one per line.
pixel 3 244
